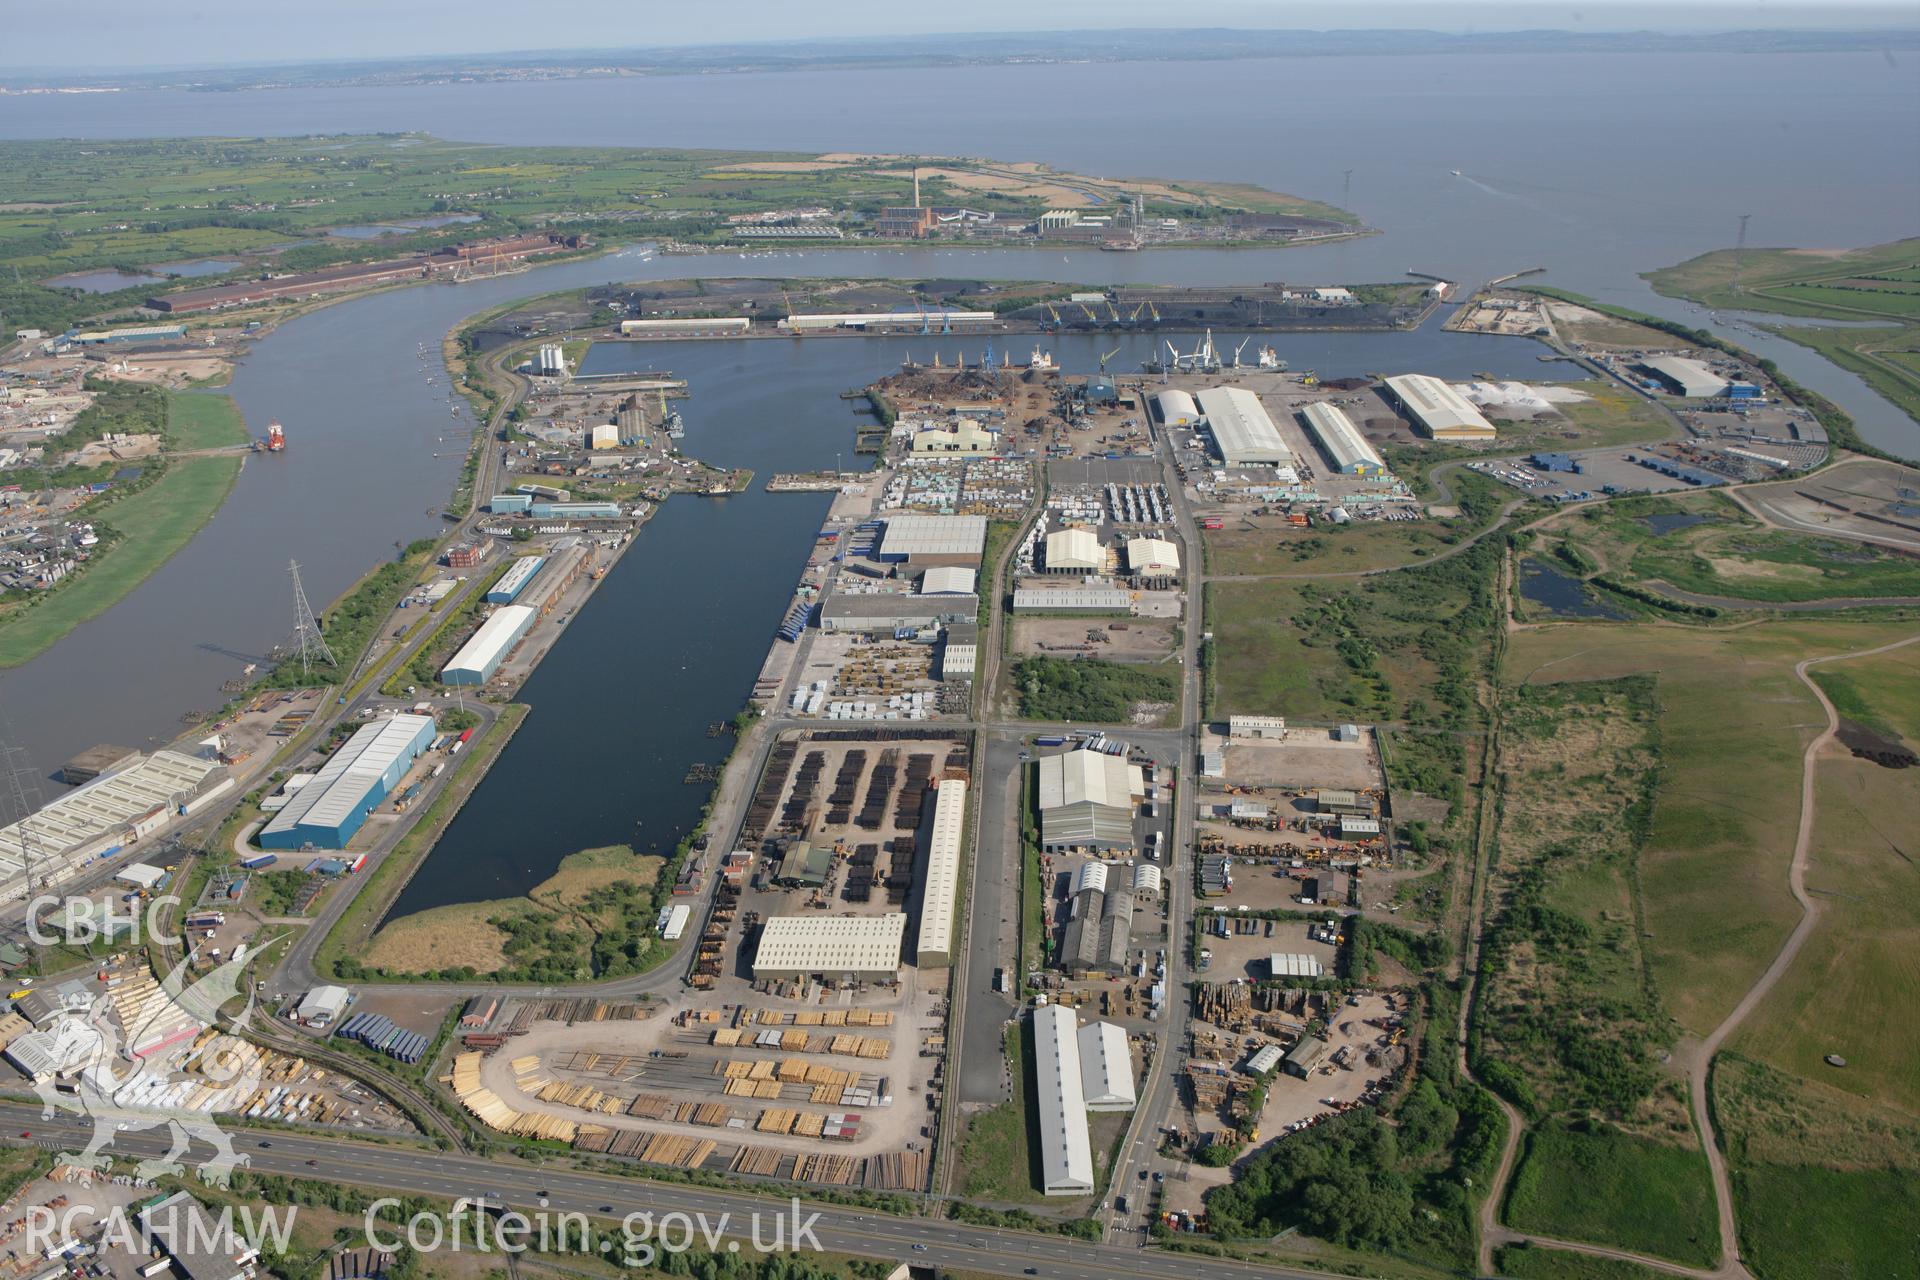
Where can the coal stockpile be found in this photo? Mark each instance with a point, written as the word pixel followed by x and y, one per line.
pixel 805 782
pixel 879 787
pixel 840 799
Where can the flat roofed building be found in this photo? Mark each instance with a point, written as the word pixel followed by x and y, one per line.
pixel 670 326
pixel 1342 442
pixel 1106 1068
pixel 1074 551
pixel 889 611
pixel 1176 408
pixel 1066 1152
pixel 1072 600
pixel 1243 433
pixel 960 651
pixel 482 654
pixel 1256 726
pixel 1087 799
pixel 865 948
pixel 1153 558
pixel 327 811
pixel 940 886
pixel 933 539
pixel 896 321
pixel 1684 377
pixel 1332 800
pixel 1439 410
pixel 965 439
pixel 200 1246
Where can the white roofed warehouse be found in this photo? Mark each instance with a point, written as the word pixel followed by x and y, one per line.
pixel 1341 441
pixel 1437 409
pixel 1684 377
pixel 930 540
pixel 1176 408
pixel 482 655
pixel 836 948
pixel 1086 801
pixel 1066 1150
pixel 1153 560
pixel 1243 433
pixel 1106 1068
pixel 1074 551
pixel 327 811
pixel 940 887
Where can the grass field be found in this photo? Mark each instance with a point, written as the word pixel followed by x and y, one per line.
pixel 1601 1185
pixel 1881 282
pixel 153 523
pixel 203 420
pixel 1559 1264
pixel 147 201
pixel 1733 722
pixel 1860 969
pixel 998 1160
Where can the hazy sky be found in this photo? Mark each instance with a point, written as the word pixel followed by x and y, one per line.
pixel 109 34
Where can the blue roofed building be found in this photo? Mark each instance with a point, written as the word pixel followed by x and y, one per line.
pixel 356 778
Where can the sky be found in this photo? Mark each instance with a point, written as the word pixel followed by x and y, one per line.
pixel 104 35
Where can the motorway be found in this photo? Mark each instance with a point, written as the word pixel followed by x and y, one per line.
pixel 520 1185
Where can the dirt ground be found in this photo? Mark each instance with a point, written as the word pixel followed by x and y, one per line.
pixel 169 371
pixel 1245 955
pixel 1304 759
pixel 415 1012
pixel 1142 641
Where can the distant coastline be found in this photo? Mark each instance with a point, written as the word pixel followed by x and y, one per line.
pixel 890 52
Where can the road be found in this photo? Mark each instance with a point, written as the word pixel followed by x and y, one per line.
pixel 521 1185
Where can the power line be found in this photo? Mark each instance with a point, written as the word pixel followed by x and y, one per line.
pixel 306 628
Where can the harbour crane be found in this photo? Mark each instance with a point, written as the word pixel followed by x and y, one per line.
pixel 1113 311
pixel 1055 313
pixel 1242 347
pixel 1091 317
pixel 1110 355
pixel 1135 317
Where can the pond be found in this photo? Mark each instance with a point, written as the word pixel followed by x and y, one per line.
pixel 1561 593
pixel 1665 522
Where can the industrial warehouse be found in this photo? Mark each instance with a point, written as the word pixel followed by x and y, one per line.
pixel 101 818
pixel 327 812
pixel 1076 1069
pixel 1342 442
pixel 940 887
pixel 482 655
pixel 1087 801
pixel 1243 432
pixel 1439 410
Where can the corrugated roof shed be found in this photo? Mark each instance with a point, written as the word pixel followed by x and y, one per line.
pixel 1106 1068
pixel 1077 550
pixel 1437 407
pixel 1242 430
pixel 1066 1153
pixel 1345 446
pixel 909 536
pixel 940 886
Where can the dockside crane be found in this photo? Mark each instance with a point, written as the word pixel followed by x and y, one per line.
pixel 1110 355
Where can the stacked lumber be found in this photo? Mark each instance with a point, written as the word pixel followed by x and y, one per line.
pixel 759 1162
pixel 650 1106
pixel 897 1171
pixel 583 1096
pixel 838 1171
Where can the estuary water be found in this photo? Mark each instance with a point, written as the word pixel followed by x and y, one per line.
pixel 1596 167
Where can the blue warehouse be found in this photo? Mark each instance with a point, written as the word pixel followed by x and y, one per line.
pixel 515 580
pixel 327 811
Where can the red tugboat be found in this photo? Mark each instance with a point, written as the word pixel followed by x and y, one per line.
pixel 276 437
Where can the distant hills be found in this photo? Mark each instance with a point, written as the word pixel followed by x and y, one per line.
pixel 1133 45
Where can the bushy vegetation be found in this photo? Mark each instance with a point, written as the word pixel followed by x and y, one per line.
pixel 1087 690
pixel 349 625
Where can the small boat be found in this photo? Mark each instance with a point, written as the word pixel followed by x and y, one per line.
pixel 1456 173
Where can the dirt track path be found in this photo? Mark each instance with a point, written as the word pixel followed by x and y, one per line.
pixel 1700 1064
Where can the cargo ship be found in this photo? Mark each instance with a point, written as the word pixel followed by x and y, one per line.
pixel 676 426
